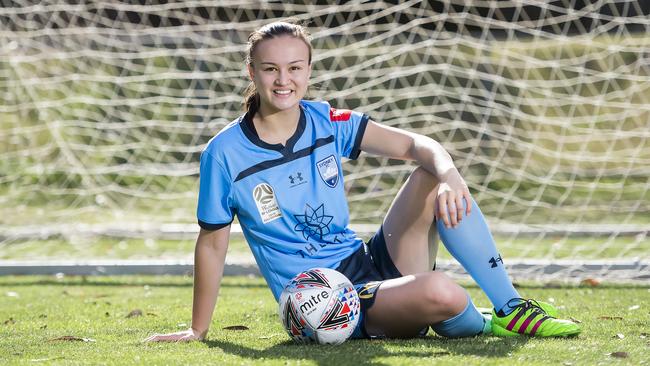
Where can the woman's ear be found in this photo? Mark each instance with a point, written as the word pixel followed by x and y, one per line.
pixel 249 67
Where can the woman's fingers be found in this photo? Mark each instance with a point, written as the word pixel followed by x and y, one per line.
pixel 442 210
pixel 171 337
pixel 468 200
pixel 459 206
pixel 163 338
pixel 150 338
pixel 189 337
pixel 449 207
pixel 453 211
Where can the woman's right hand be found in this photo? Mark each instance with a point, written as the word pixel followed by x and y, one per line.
pixel 209 259
pixel 182 336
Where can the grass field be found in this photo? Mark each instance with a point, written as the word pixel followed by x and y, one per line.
pixel 85 320
pixel 132 248
pixel 99 139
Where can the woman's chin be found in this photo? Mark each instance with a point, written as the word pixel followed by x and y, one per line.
pixel 283 105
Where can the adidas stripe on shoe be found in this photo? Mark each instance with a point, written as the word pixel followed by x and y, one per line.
pixel 530 318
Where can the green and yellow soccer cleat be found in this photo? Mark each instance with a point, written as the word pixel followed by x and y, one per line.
pixel 532 318
pixel 550 309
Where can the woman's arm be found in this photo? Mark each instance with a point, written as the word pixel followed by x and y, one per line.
pixel 209 259
pixel 431 156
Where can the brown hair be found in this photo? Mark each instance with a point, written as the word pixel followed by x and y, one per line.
pixel 269 31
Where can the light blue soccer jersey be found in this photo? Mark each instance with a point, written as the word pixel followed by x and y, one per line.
pixel 290 200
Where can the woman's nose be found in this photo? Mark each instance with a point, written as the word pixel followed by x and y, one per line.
pixel 283 78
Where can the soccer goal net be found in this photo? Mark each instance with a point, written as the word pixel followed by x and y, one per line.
pixel 544 106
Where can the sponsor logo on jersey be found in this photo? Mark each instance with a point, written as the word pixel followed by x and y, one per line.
pixel 266 203
pixel 329 171
pixel 314 224
pixel 340 115
pixel 296 179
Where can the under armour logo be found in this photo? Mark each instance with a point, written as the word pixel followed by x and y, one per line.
pixel 494 261
pixel 298 177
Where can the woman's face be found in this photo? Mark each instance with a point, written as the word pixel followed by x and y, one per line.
pixel 280 70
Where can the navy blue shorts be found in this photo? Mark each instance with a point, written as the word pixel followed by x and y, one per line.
pixel 367 268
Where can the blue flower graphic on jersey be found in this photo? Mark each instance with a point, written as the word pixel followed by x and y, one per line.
pixel 314 223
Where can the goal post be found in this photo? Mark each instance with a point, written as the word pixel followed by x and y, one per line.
pixel 544 106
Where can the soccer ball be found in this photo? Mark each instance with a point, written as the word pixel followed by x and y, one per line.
pixel 319 305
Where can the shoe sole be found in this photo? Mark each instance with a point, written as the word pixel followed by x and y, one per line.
pixel 502 332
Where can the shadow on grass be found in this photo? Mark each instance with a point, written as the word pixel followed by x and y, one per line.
pixel 370 352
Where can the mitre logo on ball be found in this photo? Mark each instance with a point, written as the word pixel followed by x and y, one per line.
pixel 319 305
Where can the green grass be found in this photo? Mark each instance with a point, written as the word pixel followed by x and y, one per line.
pixel 36 310
pixel 108 248
pixel 125 248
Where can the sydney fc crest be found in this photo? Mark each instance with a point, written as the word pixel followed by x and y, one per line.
pixel 329 171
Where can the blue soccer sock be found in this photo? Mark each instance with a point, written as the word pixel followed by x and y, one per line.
pixel 471 243
pixel 468 323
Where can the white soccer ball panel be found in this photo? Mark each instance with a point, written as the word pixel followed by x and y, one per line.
pixel 292 321
pixel 311 303
pixel 320 305
pixel 340 318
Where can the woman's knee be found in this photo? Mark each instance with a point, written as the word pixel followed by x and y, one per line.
pixel 426 182
pixel 443 297
pixel 423 178
pixel 455 314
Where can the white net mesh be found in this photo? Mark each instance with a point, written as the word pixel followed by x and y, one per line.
pixel 545 107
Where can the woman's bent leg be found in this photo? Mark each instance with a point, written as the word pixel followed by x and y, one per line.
pixel 405 306
pixel 408 227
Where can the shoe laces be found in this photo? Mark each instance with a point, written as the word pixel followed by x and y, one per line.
pixel 526 304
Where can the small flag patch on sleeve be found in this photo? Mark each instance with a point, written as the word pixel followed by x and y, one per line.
pixel 340 115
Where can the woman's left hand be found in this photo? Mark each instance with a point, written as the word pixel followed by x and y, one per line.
pixel 449 205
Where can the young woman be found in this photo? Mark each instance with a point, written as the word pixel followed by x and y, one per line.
pixel 278 168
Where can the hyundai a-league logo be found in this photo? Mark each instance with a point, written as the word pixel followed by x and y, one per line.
pixel 329 170
pixel 266 203
pixel 314 223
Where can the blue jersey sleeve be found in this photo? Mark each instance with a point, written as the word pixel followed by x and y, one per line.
pixel 214 209
pixel 349 127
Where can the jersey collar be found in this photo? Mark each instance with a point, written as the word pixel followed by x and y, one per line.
pixel 247 126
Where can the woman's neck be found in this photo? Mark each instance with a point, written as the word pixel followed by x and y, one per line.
pixel 276 127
